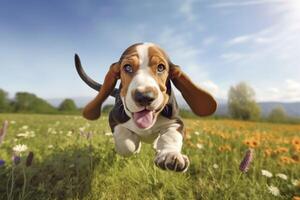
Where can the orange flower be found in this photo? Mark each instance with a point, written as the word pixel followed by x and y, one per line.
pixel 225 147
pixel 252 143
pixel 296 198
pixel 281 150
pixel 297 148
pixel 286 160
pixel 296 141
pixel 268 152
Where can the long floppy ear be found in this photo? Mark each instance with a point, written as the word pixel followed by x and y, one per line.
pixel 92 110
pixel 201 102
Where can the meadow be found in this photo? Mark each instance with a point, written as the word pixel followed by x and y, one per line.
pixel 75 159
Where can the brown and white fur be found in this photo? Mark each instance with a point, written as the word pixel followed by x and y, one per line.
pixel 145 109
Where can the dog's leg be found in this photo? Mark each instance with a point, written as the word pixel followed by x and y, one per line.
pixel 126 142
pixel 168 147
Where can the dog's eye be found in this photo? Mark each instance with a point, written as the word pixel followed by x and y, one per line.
pixel 128 68
pixel 160 68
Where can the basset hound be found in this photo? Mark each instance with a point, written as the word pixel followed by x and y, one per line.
pixel 145 107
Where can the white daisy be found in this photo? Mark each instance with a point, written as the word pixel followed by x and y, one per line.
pixel 197 133
pixel 24 127
pixel 82 129
pixel 266 173
pixel 20 148
pixel 282 176
pixel 69 134
pixel 295 182
pixel 108 134
pixel 216 166
pixel 200 146
pixel 273 190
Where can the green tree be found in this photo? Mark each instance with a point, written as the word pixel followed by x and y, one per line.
pixel 277 114
pixel 241 102
pixel 4 101
pixel 68 105
pixel 27 102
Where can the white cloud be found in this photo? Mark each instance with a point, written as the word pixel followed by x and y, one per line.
pixel 209 40
pixel 289 91
pixel 243 3
pixel 210 86
pixel 239 40
pixel 233 56
pixel 186 8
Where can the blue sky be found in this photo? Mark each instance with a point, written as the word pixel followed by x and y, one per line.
pixel 218 43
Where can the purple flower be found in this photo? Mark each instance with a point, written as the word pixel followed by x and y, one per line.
pixel 16 159
pixel 2 162
pixel 29 159
pixel 245 164
pixel 3 131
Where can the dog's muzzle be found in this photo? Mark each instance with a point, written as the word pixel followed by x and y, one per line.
pixel 143 98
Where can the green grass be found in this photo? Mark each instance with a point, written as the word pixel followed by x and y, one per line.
pixel 68 165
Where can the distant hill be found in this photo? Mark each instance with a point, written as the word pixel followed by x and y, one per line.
pixel 292 109
pixel 79 101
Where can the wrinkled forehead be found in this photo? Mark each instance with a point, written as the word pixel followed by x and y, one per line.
pixel 144 51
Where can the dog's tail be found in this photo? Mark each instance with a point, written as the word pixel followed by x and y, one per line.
pixel 90 82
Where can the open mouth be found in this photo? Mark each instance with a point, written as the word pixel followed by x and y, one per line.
pixel 143 119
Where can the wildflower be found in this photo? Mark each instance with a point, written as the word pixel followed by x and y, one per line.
pixel 252 143
pixel 268 152
pixel 69 134
pixel 282 176
pixel 286 160
pixel 266 173
pixel 199 146
pixel 25 127
pixel 245 164
pixel 188 137
pixel 215 166
pixel 16 159
pixel 273 190
pixel 225 148
pixel 12 122
pixel 2 162
pixel 296 183
pixel 81 129
pixel 27 134
pixel 296 198
pixel 297 148
pixel 50 146
pixel 108 134
pixel 296 141
pixel 29 159
pixel 3 131
pixel 281 150
pixel 20 148
pixel 196 133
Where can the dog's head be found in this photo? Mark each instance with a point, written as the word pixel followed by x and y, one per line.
pixel 145 70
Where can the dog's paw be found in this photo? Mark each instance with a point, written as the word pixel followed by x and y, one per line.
pixel 174 161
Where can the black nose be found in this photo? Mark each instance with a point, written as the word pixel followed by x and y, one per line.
pixel 144 98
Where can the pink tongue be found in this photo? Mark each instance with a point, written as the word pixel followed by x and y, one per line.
pixel 143 119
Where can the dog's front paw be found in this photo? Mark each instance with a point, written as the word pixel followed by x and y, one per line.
pixel 174 161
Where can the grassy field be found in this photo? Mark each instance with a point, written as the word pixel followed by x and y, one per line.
pixel 75 159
